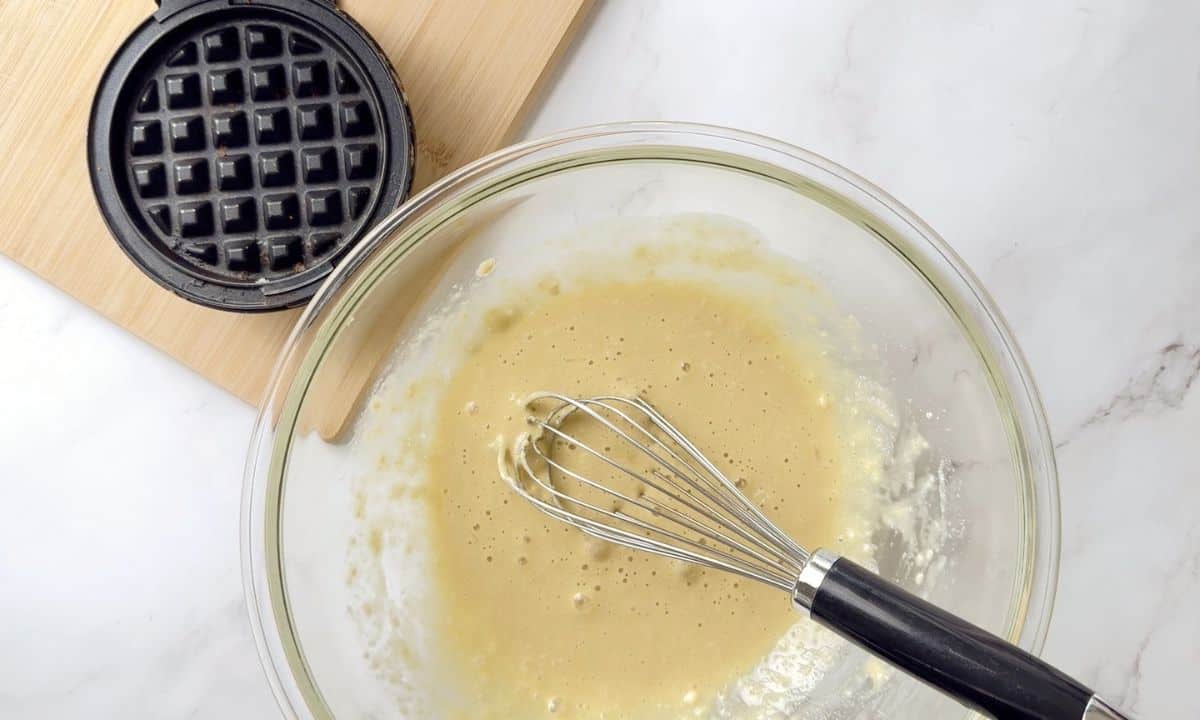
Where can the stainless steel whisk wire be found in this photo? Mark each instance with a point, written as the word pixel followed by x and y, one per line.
pixel 760 550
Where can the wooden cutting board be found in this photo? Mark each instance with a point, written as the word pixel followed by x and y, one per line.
pixel 469 68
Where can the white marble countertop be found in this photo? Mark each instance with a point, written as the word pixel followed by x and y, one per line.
pixel 1055 145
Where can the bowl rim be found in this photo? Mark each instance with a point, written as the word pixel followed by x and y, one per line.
pixel 1030 608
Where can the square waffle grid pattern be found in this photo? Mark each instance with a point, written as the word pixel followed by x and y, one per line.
pixel 255 152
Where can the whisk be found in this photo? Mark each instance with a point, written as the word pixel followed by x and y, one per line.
pixel 659 493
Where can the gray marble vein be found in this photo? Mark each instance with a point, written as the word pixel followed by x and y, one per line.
pixel 1163 385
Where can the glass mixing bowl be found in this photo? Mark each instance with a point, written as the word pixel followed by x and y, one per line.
pixel 943 347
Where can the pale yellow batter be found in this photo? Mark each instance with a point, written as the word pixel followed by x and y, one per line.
pixel 537 618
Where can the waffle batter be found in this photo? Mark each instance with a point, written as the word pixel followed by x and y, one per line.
pixel 541 621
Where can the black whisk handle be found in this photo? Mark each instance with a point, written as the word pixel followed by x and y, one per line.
pixel 977 668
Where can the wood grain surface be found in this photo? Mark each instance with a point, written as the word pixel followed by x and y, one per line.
pixel 469 68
